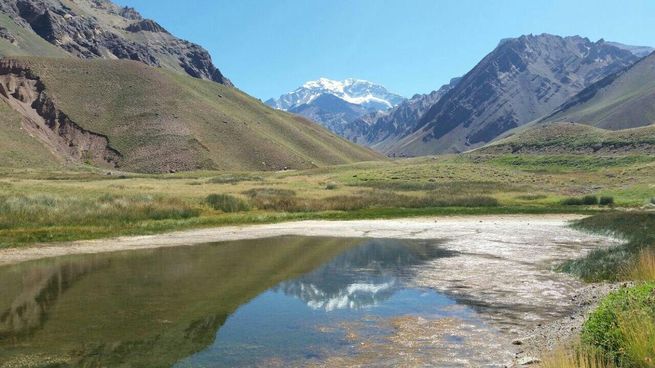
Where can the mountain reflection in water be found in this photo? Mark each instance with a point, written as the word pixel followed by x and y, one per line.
pixel 363 276
pixel 212 305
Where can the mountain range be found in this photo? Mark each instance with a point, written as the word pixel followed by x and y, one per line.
pixel 337 105
pixel 87 82
pixel 523 79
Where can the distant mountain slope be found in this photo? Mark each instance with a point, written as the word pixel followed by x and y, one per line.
pixel 623 100
pixel 383 129
pixel 338 105
pixel 639 51
pixel 355 91
pixel 332 112
pixel 521 80
pixel 568 138
pixel 91 29
pixel 133 117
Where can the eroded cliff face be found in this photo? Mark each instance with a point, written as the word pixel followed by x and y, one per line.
pixel 91 29
pixel 26 94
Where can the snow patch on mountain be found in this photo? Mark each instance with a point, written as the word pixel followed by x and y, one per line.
pixel 372 96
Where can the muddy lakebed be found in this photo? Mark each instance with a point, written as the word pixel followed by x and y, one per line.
pixel 424 292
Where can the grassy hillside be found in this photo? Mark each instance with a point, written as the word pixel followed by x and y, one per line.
pixel 159 120
pixel 575 138
pixel 624 100
pixel 25 42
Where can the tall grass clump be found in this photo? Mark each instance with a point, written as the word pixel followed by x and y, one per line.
pixel 29 211
pixel 227 203
pixel 623 327
pixel 644 269
pixel 576 357
pixel 637 229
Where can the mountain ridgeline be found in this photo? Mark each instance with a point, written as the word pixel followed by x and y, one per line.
pixel 522 80
pixel 87 82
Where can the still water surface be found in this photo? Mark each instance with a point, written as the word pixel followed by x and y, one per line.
pixel 287 301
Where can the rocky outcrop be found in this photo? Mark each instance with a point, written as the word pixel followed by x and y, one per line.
pixel 91 30
pixel 26 94
pixel 146 25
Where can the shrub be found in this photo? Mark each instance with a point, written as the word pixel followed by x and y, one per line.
pixel 590 200
pixel 586 200
pixel 606 201
pixel 572 201
pixel 610 327
pixel 227 203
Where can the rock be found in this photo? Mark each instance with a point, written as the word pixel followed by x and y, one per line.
pixel 528 361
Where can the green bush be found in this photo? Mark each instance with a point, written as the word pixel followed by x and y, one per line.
pixel 590 200
pixel 586 200
pixel 606 201
pixel 227 203
pixel 603 331
pixel 572 201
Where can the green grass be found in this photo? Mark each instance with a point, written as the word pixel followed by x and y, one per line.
pixel 638 231
pixel 162 121
pixel 569 163
pixel 610 328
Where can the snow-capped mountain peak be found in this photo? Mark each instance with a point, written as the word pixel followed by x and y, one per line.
pixel 369 95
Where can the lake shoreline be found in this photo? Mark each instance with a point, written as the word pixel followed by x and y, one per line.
pixel 406 228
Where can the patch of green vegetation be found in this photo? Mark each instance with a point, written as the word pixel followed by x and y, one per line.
pixel 588 200
pixel 564 163
pixel 607 328
pixel 227 203
pixel 638 230
pixel 234 178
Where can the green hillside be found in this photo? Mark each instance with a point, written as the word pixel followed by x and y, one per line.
pixel 569 137
pixel 621 101
pixel 159 121
pixel 24 42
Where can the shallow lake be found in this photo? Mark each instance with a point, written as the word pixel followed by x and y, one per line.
pixel 276 302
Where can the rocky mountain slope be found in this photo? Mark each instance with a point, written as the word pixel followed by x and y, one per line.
pixel 97 29
pixel 129 116
pixel 381 130
pixel 338 105
pixel 620 101
pixel 521 80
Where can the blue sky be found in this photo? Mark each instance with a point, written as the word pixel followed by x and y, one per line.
pixel 269 47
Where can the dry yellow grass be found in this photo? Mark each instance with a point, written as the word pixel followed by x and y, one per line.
pixel 644 269
pixel 575 357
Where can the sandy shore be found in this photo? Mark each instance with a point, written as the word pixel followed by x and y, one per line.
pixel 414 228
